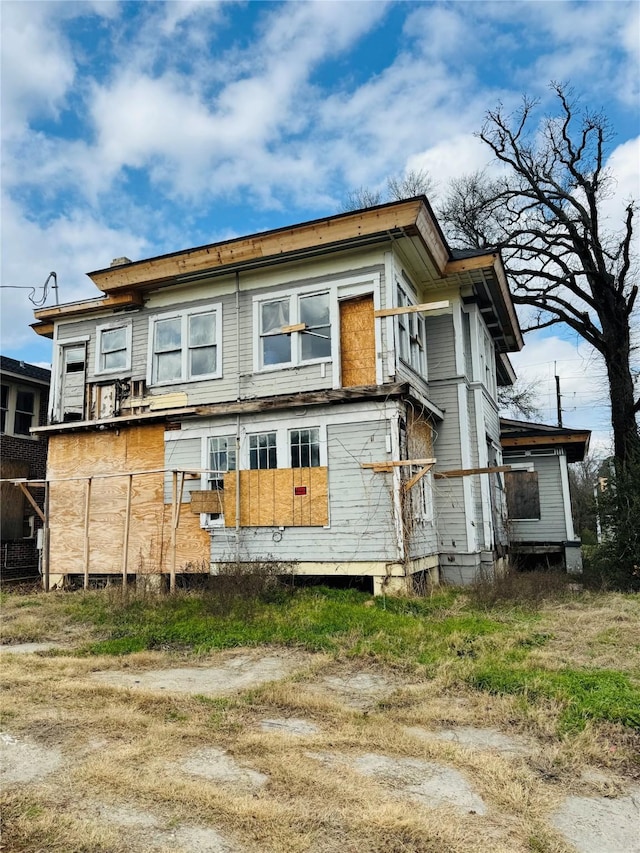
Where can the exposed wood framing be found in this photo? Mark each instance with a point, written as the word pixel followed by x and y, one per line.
pixel 412 309
pixel 29 497
pixel 89 306
pixel 295 327
pixel 467 472
pixel 468 264
pixel 127 527
pixel 573 438
pixel 320 233
pixel 87 541
pixel 397 463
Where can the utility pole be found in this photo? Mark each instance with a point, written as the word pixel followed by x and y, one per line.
pixel 558 397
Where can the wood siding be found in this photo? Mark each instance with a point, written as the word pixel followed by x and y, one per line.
pixel 551 526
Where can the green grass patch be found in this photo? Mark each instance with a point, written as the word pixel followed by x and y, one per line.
pixel 586 694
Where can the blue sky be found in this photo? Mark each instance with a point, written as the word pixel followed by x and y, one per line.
pixel 142 128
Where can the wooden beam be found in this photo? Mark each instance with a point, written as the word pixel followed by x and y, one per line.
pixel 127 525
pixel 573 438
pixel 87 512
pixel 411 309
pixel 395 463
pixel 467 472
pixel 29 497
pixel 417 477
pixel 72 309
pixel 45 330
pixel 261 247
pixel 477 262
pixel 296 327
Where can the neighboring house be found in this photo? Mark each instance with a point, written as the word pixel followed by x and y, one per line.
pixel 538 499
pixel 292 396
pixel 23 405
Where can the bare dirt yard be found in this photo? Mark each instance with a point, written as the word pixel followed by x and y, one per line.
pixel 288 748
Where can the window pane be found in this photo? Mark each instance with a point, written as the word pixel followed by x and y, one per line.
pixel 202 330
pixel 275 315
pixel 22 423
pixel 168 334
pixel 24 401
pixel 314 310
pixel 305 448
pixel 115 360
pixel 169 366
pixel 203 361
pixel 262 451
pixel 314 346
pixel 74 359
pixel 4 396
pixel 114 339
pixel 276 349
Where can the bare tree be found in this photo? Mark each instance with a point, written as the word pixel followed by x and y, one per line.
pixel 519 399
pixel 545 214
pixel 413 183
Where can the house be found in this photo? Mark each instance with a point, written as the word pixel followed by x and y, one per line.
pixel 537 487
pixel 322 396
pixel 24 402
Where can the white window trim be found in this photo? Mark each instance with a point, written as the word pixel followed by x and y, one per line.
pixel 407 289
pixel 215 308
pixel 207 523
pixel 294 312
pixel 12 401
pixel 109 327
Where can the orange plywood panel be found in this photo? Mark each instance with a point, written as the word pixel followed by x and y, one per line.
pixel 357 342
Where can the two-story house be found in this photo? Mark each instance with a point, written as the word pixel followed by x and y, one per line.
pixel 24 393
pixel 321 396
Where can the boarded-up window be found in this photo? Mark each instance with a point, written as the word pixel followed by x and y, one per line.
pixel 523 494
pixel 279 497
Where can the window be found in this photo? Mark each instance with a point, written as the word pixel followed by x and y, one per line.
pixel 74 359
pixel 185 346
pixel 18 409
pixel 263 451
pixel 4 406
pixel 25 408
pixel 309 315
pixel 411 334
pixel 113 348
pixel 222 458
pixel 523 494
pixel 305 448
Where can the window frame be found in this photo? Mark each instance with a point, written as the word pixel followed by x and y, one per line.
pixel 411 331
pixel 184 316
pixel 269 447
pixel 310 444
pixel 209 519
pixel 11 410
pixel 294 299
pixel 100 332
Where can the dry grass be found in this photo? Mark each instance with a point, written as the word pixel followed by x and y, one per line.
pixel 126 747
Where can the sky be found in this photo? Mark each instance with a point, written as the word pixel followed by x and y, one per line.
pixel 140 128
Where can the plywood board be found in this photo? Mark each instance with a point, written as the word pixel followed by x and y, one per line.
pixel 357 342
pixel 131 449
pixel 207 501
pixel 268 499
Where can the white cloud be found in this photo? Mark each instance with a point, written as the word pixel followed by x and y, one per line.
pixel 69 245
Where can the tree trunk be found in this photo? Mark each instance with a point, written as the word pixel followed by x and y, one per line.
pixel 616 352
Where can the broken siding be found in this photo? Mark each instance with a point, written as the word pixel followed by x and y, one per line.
pixel 551 527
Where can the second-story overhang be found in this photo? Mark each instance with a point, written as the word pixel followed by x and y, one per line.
pixel 409 222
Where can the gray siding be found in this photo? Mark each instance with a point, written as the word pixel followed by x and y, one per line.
pixel 178 456
pixel 551 526
pixel 441 361
pixel 360 510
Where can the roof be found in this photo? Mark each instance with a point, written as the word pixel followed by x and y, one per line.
pixel 409 222
pixel 23 370
pixel 526 436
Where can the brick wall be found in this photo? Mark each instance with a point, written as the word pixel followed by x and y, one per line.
pixel 19 557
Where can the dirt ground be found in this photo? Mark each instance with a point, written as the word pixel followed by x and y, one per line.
pixel 278 750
